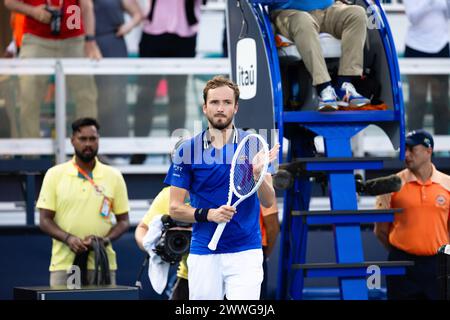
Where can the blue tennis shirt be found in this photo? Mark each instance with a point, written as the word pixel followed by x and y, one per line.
pixel 205 172
pixel 303 5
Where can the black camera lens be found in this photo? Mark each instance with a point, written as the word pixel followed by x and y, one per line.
pixel 178 242
pixel 174 242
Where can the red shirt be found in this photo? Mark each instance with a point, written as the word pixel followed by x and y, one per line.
pixel 71 22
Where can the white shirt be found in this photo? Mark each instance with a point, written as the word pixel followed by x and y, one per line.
pixel 428 28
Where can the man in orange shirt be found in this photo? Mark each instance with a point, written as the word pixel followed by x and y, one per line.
pixel 422 227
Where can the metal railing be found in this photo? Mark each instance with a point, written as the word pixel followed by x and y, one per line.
pixel 60 68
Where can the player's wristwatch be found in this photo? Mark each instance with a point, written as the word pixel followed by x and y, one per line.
pixel 68 235
pixel 89 37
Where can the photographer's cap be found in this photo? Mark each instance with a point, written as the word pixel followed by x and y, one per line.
pixel 417 137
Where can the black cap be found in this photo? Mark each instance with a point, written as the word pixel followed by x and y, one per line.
pixel 417 137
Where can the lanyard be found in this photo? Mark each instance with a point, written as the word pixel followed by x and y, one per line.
pixel 206 138
pixel 84 174
pixel 50 3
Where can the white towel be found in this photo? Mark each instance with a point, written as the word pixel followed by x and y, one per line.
pixel 158 270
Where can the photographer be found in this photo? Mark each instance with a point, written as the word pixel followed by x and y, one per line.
pixel 55 29
pixel 160 205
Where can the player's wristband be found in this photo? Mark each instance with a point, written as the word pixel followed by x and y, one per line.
pixel 201 215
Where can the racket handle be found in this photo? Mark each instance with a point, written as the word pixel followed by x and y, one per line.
pixel 216 236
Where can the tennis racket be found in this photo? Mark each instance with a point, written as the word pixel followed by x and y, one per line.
pixel 252 149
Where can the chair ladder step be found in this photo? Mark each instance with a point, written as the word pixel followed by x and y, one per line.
pixel 322 217
pixel 354 269
pixel 334 164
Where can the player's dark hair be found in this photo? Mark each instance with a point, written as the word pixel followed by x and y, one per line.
pixel 84 122
pixel 221 81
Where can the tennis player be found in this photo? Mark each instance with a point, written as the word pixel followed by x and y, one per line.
pixel 201 167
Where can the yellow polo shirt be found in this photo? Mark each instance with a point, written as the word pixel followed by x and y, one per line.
pixel 160 205
pixel 77 207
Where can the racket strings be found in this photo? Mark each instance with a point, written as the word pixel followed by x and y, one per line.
pixel 243 179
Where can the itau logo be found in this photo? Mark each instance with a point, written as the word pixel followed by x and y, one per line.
pixel 246 68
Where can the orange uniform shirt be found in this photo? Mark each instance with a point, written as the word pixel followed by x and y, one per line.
pixel 262 213
pixel 263 228
pixel 422 227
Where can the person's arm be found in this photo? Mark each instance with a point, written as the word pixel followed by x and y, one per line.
pixel 182 212
pixel 122 225
pixel 266 192
pixel 139 234
pixel 382 229
pixel 36 12
pixel 47 224
pixel 136 16
pixel 87 14
pixel 272 226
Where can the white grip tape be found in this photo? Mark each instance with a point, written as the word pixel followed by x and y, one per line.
pixel 215 238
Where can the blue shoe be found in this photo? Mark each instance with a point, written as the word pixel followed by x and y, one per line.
pixel 328 100
pixel 348 97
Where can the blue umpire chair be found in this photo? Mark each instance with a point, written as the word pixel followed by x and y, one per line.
pixel 276 93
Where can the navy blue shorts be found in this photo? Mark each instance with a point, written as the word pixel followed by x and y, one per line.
pixel 420 281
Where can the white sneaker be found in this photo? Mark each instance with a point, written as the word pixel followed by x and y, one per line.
pixel 328 100
pixel 349 97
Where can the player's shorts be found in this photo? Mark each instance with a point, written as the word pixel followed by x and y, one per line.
pixel 237 276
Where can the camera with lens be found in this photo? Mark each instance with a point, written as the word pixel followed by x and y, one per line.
pixel 55 22
pixel 175 240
